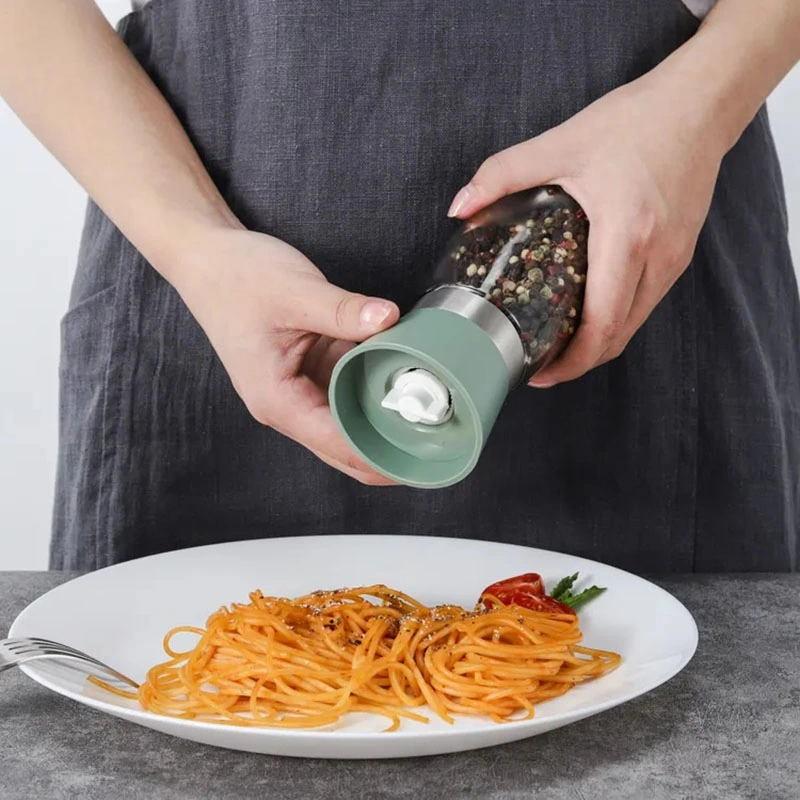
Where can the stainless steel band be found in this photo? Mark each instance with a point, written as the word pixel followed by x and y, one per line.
pixel 485 315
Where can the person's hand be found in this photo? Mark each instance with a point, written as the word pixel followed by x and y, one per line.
pixel 279 327
pixel 644 171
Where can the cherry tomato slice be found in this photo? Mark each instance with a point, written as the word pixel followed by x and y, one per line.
pixel 526 591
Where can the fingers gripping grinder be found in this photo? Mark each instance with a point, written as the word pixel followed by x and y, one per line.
pixel 417 402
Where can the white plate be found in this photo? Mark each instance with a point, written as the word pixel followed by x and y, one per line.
pixel 120 615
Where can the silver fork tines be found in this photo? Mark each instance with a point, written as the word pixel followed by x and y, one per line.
pixel 14 652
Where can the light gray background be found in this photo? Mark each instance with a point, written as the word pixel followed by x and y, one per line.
pixel 41 209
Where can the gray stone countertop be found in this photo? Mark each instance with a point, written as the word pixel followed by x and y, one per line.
pixel 727 727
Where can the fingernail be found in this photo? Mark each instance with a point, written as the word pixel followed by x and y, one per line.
pixel 374 313
pixel 460 201
pixel 540 384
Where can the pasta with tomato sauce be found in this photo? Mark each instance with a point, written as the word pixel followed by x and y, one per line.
pixel 304 663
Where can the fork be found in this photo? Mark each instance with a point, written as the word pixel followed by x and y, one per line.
pixel 14 652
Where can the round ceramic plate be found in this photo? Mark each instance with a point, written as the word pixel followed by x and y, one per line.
pixel 120 615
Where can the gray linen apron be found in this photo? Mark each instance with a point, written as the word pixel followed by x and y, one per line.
pixel 345 129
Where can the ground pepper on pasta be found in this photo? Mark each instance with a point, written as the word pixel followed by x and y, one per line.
pixel 304 663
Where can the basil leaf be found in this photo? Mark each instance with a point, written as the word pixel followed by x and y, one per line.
pixel 577 600
pixel 563 586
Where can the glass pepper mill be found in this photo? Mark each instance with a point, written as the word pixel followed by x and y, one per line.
pixel 417 402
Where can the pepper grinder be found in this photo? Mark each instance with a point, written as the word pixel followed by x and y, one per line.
pixel 417 402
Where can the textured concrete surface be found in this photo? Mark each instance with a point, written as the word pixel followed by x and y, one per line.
pixel 727 727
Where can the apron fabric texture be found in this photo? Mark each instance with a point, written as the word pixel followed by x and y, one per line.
pixel 345 128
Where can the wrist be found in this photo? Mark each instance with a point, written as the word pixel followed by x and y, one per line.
pixel 181 248
pixel 706 103
pixel 726 71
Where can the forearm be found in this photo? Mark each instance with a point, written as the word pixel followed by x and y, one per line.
pixel 72 81
pixel 724 73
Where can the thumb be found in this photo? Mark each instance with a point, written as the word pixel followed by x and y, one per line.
pixel 527 164
pixel 320 307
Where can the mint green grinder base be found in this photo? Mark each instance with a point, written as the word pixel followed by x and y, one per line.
pixel 462 356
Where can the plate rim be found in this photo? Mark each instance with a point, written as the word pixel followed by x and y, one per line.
pixel 138 714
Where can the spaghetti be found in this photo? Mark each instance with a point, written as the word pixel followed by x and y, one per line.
pixel 304 663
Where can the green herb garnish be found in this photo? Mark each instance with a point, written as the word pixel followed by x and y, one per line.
pixel 563 592
pixel 563 586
